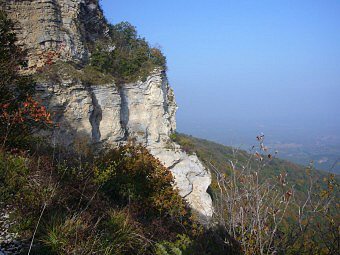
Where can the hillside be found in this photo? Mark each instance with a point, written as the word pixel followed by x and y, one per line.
pixel 266 202
pixel 90 161
pixel 218 155
pixel 103 85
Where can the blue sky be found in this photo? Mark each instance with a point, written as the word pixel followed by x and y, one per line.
pixel 240 67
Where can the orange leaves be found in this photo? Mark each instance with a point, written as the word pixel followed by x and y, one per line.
pixel 30 110
pixel 35 111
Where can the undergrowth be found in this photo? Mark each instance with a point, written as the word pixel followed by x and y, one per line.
pixel 122 202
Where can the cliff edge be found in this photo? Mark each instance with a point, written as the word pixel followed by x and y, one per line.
pixel 102 112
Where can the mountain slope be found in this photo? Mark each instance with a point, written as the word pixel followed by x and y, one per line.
pixel 218 156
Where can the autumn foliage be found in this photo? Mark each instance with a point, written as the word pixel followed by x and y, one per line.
pixel 20 113
pixel 28 111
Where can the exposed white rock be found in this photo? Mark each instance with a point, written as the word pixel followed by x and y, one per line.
pixel 150 111
pixel 106 114
pixel 191 177
pixel 142 110
pixel 91 112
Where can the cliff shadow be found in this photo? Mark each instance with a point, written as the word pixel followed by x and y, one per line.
pixel 124 111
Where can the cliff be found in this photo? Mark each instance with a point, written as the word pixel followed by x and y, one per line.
pixel 64 26
pixel 102 113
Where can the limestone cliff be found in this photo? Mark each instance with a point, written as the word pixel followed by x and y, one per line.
pixel 105 114
pixel 64 26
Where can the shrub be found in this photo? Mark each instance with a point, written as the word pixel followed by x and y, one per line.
pixel 72 235
pixel 265 215
pixel 132 174
pixel 182 246
pixel 112 233
pixel 126 56
pixel 121 202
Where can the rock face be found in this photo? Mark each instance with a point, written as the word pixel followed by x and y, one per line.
pixel 104 113
pixel 56 28
pixel 148 114
pixel 144 111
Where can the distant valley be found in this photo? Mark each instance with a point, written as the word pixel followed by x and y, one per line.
pixel 298 145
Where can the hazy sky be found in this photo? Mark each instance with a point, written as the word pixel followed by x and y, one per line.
pixel 239 67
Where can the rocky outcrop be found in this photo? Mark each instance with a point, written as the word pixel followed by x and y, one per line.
pixel 9 243
pixel 145 111
pixel 191 177
pixel 88 113
pixel 148 111
pixel 104 114
pixel 61 29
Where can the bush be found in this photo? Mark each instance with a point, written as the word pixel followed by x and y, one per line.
pixel 182 246
pixel 121 202
pixel 73 235
pixel 131 174
pixel 84 234
pixel 265 215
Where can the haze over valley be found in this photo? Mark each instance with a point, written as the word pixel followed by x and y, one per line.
pixel 239 68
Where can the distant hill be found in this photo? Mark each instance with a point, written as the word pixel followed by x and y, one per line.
pixel 218 155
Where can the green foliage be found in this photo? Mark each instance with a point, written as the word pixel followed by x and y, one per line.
pixel 13 87
pixel 72 235
pixel 173 136
pixel 132 174
pixel 88 75
pixel 126 56
pixel 13 174
pixel 122 236
pixel 79 234
pixel 182 246
pixel 113 204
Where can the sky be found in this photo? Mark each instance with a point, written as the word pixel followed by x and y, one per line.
pixel 243 67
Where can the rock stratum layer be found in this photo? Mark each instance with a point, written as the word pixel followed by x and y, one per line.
pixel 66 27
pixel 105 114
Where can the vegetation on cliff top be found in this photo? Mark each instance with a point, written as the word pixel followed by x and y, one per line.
pixel 125 55
pixel 121 57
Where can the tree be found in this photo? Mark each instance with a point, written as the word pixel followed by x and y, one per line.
pixel 12 85
pixel 19 112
